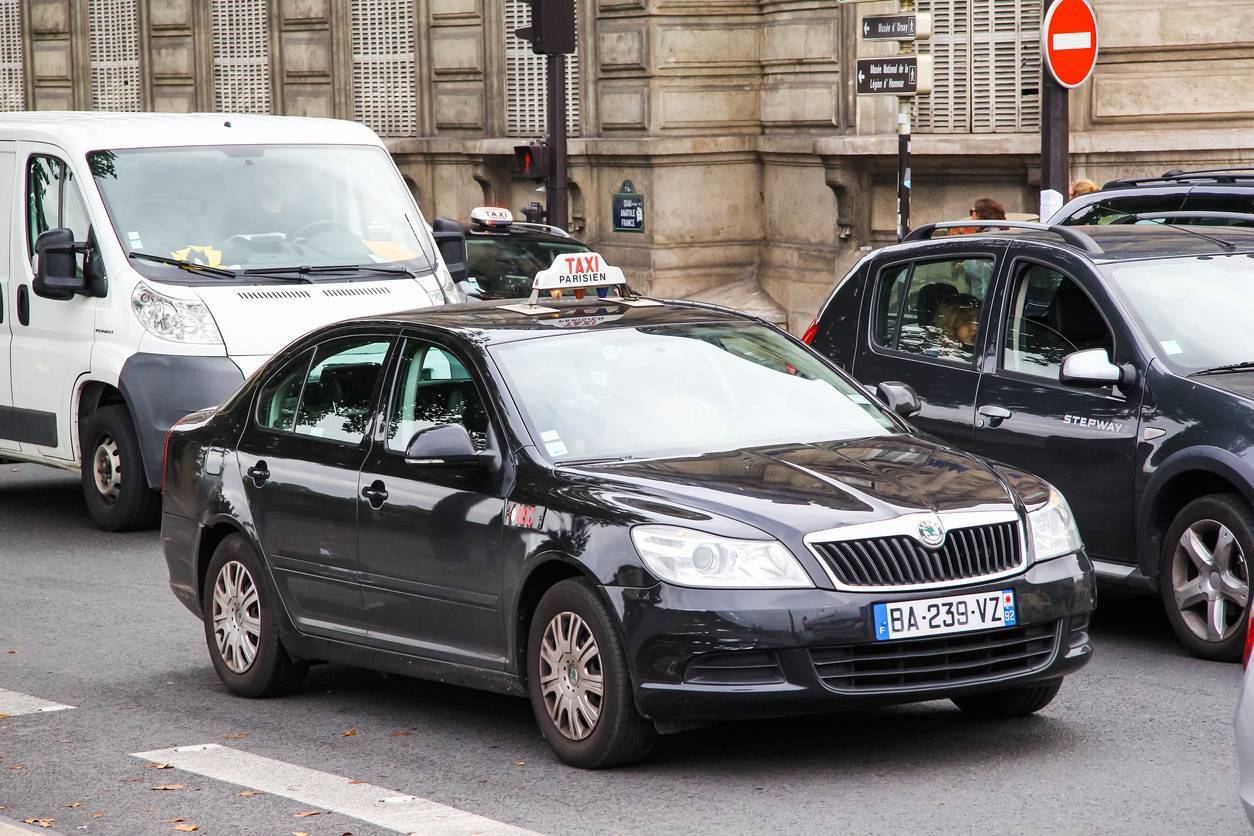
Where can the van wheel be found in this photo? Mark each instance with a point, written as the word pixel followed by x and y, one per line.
pixel 1205 575
pixel 114 483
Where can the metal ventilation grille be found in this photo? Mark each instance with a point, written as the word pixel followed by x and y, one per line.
pixel 384 89
pixel 113 54
pixel 241 56
pixel 526 81
pixel 12 91
pixel 901 561
pixel 271 295
pixel 356 291
pixel 987 61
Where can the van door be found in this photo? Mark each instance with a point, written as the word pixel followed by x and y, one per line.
pixel 51 339
pixel 8 197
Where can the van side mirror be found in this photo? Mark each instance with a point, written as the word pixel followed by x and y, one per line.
pixel 56 267
pixel 450 238
pixel 1092 368
pixel 446 444
pixel 899 397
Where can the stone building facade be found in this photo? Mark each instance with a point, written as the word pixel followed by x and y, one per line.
pixel 764 176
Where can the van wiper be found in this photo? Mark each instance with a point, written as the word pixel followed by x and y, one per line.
pixel 327 268
pixel 192 266
pixel 1245 365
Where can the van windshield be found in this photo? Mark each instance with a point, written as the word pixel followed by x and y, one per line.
pixel 252 207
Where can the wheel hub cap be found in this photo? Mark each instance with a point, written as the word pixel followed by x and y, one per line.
pixel 571 678
pixel 107 469
pixel 1210 577
pixel 236 616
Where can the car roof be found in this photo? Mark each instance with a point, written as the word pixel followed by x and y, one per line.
pixel 81 132
pixel 489 323
pixel 529 232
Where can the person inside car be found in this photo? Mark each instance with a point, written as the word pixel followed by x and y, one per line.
pixel 958 320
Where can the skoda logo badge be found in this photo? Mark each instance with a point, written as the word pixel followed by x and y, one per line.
pixel 931 533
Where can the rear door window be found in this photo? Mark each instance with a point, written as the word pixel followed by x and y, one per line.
pixel 336 401
pixel 933 308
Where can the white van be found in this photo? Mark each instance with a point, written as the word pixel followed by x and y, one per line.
pixel 150 262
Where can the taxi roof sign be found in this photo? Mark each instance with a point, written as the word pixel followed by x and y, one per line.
pixel 578 271
pixel 491 216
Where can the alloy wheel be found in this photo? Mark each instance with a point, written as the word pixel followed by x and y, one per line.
pixel 107 469
pixel 572 681
pixel 1210 578
pixel 236 616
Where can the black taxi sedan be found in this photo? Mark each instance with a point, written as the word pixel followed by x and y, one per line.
pixel 640 516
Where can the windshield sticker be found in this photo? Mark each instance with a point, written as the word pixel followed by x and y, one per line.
pixel 553 443
pixel 136 244
pixel 1171 347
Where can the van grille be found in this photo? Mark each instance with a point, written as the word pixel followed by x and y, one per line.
pixel 901 560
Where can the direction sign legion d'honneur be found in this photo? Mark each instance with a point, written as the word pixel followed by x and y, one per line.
pixel 1069 42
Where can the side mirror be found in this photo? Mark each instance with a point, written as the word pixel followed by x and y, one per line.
pixel 1092 368
pixel 56 269
pixel 450 238
pixel 899 397
pixel 446 444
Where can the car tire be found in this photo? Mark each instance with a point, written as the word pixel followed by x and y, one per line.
pixel 573 629
pixel 245 646
pixel 1015 702
pixel 1209 612
pixel 115 485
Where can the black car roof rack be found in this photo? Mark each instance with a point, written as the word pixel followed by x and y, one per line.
pixel 1212 175
pixel 1071 235
pixel 1190 215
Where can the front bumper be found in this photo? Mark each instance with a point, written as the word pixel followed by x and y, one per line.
pixel 701 655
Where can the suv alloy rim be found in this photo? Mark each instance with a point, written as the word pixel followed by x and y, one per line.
pixel 236 616
pixel 107 469
pixel 1211 580
pixel 571 678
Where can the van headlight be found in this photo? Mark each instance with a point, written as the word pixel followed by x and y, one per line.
pixel 687 557
pixel 1053 529
pixel 174 319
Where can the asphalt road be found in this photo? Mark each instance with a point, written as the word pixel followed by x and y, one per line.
pixel 1138 742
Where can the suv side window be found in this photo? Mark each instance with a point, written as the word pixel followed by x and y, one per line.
pixel 932 308
pixel 1050 317
pixel 52 200
pixel 433 388
pixel 280 397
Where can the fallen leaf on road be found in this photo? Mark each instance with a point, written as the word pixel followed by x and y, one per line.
pixel 251 793
pixel 3 715
pixel 95 815
pixel 74 805
pixel 304 814
pixel 239 736
pixel 170 787
pixel 11 652
pixel 349 732
pixel 402 733
pixel 15 767
pixel 39 822
pixel 172 821
pixel 299 833
pixel 356 781
pixel 520 763
pixel 155 765
pixel 187 828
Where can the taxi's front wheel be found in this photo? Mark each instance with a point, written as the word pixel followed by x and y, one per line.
pixel 241 629
pixel 578 681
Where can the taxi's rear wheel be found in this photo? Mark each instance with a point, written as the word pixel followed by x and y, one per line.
pixel 114 483
pixel 241 625
pixel 579 684
pixel 1015 702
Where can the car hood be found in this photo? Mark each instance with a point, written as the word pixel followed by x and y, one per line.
pixel 791 490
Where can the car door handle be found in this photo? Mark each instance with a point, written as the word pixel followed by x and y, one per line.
pixel 259 473
pixel 376 493
pixel 993 415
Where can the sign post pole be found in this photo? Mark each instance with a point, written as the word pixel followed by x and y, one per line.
pixel 1069 56
pixel 903 147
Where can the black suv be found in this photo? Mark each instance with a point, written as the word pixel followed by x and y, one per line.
pixel 1217 190
pixel 1114 361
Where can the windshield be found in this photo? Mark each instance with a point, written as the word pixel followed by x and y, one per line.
pixel 679 390
pixel 505 266
pixel 260 207
pixel 1195 311
pixel 1112 209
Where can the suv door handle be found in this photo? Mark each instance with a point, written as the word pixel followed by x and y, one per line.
pixel 376 493
pixel 259 473
pixel 993 415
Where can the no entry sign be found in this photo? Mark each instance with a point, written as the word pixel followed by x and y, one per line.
pixel 1069 41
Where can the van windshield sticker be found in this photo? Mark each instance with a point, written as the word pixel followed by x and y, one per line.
pixel 1171 347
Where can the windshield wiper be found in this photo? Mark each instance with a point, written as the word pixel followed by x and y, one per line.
pixel 304 271
pixel 220 272
pixel 1245 365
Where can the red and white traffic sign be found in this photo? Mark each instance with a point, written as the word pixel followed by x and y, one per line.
pixel 1069 41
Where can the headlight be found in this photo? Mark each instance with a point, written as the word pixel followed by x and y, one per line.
pixel 1054 531
pixel 174 319
pixel 693 558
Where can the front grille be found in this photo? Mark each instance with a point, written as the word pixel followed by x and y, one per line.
pixel 742 667
pixel 901 560
pixel 920 664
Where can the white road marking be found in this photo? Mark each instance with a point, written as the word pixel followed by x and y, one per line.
pixel 324 791
pixel 13 704
pixel 1073 40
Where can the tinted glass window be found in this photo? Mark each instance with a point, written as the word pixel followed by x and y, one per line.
pixel 933 308
pixel 433 388
pixel 505 266
pixel 1050 317
pixel 276 408
pixel 339 391
pixel 1112 209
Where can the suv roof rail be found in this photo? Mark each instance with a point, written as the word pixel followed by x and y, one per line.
pixel 1189 215
pixel 1070 235
pixel 1175 175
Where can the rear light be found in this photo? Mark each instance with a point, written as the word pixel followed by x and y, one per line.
pixel 1249 640
pixel 808 336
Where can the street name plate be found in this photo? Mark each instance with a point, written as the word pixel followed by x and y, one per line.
pixel 901 75
pixel 911 27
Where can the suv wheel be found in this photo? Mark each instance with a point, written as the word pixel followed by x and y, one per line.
pixel 1016 702
pixel 114 483
pixel 578 681
pixel 1205 576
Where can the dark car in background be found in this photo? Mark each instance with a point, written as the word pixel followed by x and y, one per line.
pixel 1206 192
pixel 503 255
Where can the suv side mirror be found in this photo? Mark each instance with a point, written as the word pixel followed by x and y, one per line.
pixel 899 397
pixel 56 268
pixel 450 238
pixel 446 444
pixel 1092 368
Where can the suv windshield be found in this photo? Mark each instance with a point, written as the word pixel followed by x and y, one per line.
pixel 505 265
pixel 1196 312
pixel 244 207
pixel 598 394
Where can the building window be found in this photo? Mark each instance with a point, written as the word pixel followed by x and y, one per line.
pixel 384 94
pixel 12 89
pixel 241 56
pixel 526 81
pixel 987 59
pixel 113 54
